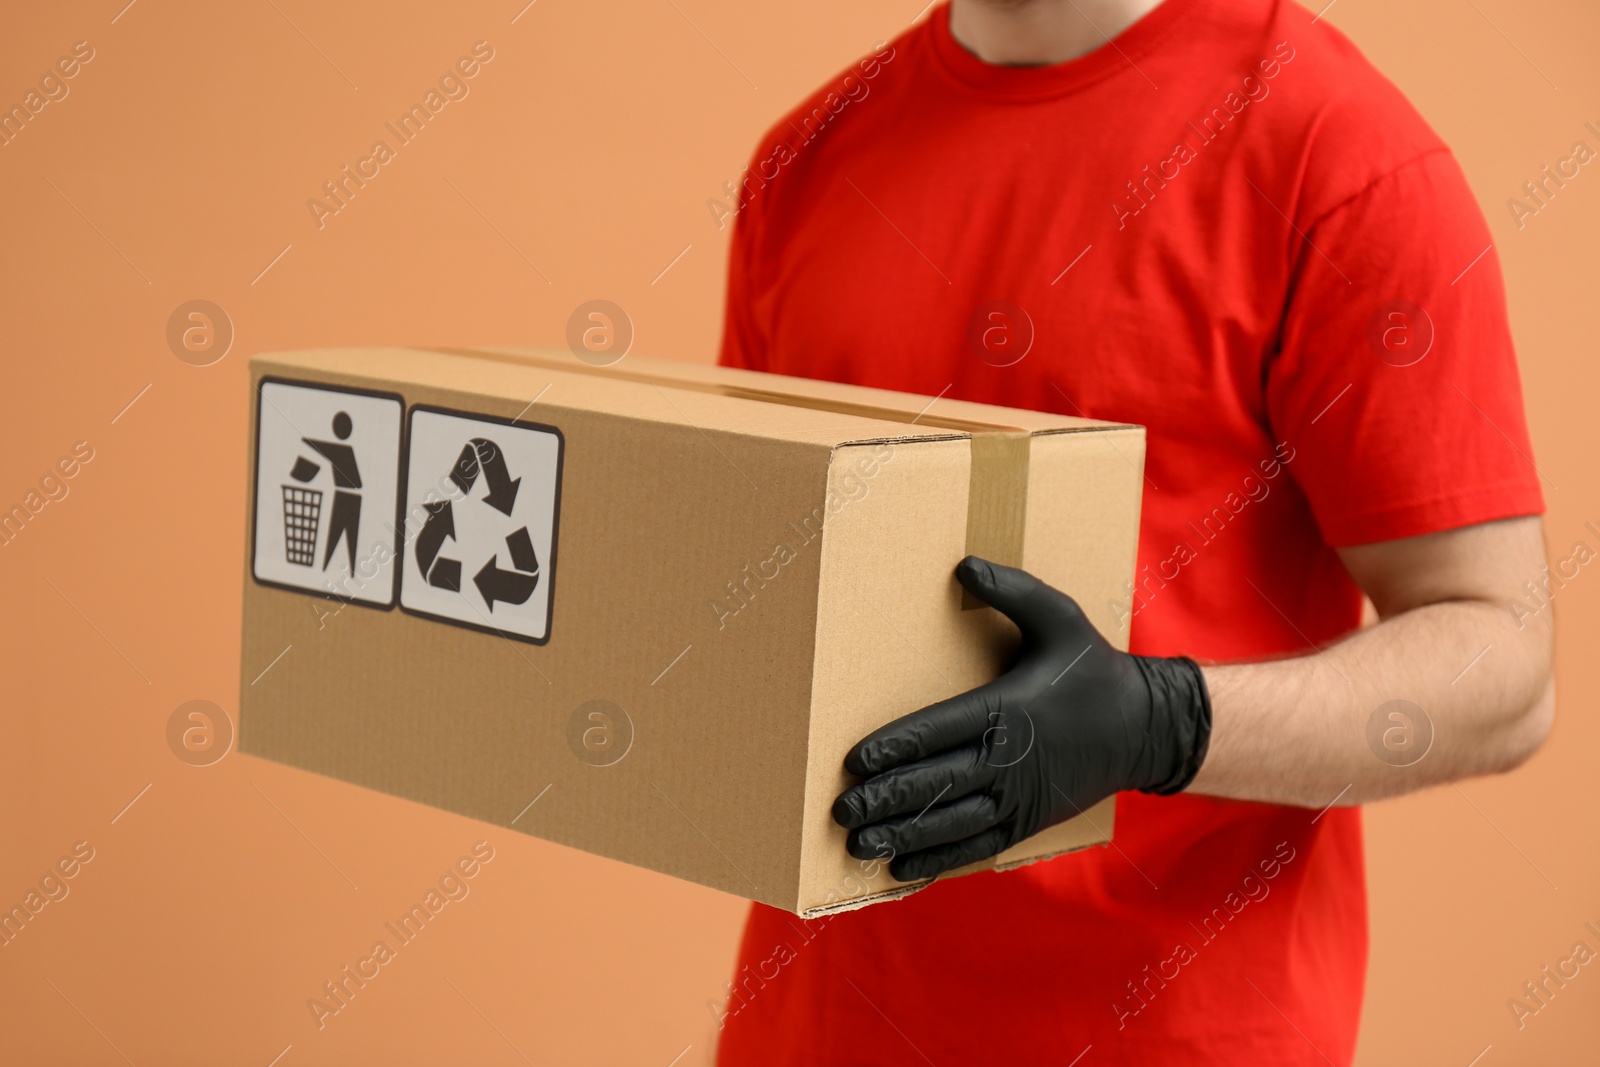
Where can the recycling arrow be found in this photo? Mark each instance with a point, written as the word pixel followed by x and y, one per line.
pixel 502 494
pixel 440 526
pixel 514 586
pixel 465 473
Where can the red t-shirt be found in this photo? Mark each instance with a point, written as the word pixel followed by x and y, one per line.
pixel 1225 226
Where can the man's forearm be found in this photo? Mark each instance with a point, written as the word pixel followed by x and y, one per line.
pixel 1296 731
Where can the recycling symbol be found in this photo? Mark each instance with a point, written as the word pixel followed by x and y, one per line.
pixel 481 511
pixel 480 456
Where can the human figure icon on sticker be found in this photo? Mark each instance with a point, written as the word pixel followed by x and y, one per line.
pixel 302 506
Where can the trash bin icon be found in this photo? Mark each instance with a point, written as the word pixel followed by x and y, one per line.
pixel 302 512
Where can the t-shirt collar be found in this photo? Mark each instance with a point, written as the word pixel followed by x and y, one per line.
pixel 1120 54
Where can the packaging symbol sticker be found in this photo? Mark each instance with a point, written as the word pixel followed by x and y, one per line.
pixel 482 503
pixel 327 485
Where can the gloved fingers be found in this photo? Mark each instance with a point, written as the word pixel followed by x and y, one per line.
pixel 951 723
pixel 940 825
pixel 1024 599
pixel 931 861
pixel 910 789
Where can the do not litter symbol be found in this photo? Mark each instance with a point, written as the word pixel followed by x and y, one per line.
pixel 515 586
pixel 485 491
pixel 302 507
pixel 327 489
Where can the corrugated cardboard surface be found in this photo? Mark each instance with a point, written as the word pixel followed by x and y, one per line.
pixel 696 592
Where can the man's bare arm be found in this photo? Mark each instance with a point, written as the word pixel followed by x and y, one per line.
pixel 945 786
pixel 1295 731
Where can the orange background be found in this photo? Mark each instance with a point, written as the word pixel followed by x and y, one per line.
pixel 178 167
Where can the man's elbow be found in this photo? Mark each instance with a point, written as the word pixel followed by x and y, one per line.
pixel 1527 733
pixel 1532 692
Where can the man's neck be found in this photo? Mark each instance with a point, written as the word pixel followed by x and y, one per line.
pixel 1032 33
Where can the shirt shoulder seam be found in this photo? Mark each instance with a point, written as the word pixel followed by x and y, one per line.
pixel 1368 187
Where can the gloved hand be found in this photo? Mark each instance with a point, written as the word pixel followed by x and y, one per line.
pixel 1072 722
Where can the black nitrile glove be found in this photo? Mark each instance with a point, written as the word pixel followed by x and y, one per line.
pixel 1072 722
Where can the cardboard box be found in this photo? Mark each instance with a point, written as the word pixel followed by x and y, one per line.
pixel 644 610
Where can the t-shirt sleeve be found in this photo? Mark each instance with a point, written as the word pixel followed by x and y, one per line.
pixel 1395 378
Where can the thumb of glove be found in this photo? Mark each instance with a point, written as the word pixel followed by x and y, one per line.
pixel 1035 607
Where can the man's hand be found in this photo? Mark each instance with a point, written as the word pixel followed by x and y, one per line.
pixel 1072 722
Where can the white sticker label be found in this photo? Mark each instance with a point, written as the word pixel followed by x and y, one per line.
pixel 327 489
pixel 482 497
